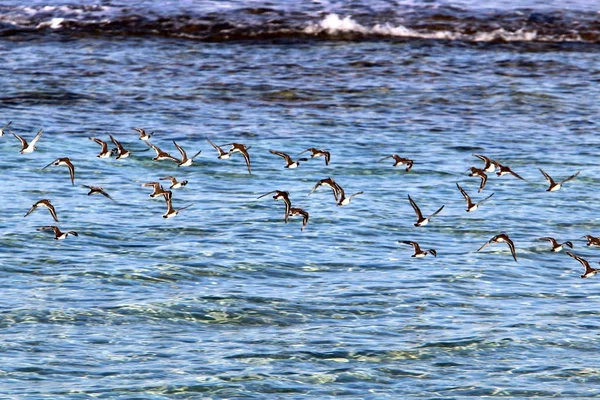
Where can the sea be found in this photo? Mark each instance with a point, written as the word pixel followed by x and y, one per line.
pixel 227 300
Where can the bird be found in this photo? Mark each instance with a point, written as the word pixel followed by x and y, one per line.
pixel 241 148
pixel 174 183
pixel 343 200
pixel 185 161
pixel 330 183
pixel 592 240
pixel 67 162
pixel 28 147
pixel 104 152
pixel 418 252
pixel 289 162
pixel 589 271
pixel 4 128
pixel 318 153
pixel 481 174
pixel 171 212
pixel 294 211
pixel 470 205
pixel 161 155
pixel 400 161
pixel 158 189
pixel 58 235
pixel 143 134
pixel 504 170
pixel 44 203
pixel 97 190
pixel 555 245
pixel 490 165
pixel 121 152
pixel 281 195
pixel 420 220
pixel 553 186
pixel 223 155
pixel 502 238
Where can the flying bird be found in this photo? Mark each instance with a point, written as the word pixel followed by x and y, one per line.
pixel 66 162
pixel 418 252
pixel 554 186
pixel 400 161
pixel 58 235
pixel 470 205
pixel 421 221
pixel 28 147
pixel 288 160
pixel 97 190
pixel 318 153
pixel 555 245
pixel 589 271
pixel 46 204
pixel 502 238
pixel 185 161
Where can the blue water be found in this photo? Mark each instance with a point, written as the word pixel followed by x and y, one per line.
pixel 225 300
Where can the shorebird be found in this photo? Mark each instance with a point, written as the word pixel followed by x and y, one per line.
pixel 121 152
pixel 343 200
pixel 97 190
pixel 43 203
pixel 143 134
pixel 553 186
pixel 298 211
pixel 418 252
pixel 592 240
pixel 504 170
pixel 185 161
pixel 555 245
pixel 330 183
pixel 502 238
pixel 288 160
pixel 28 147
pixel 470 205
pixel 589 271
pixel 174 183
pixel 400 161
pixel 158 189
pixel 241 148
pixel 4 128
pixel 171 212
pixel 481 174
pixel 58 235
pixel 161 155
pixel 66 162
pixel 104 152
pixel 420 220
pixel 281 195
pixel 318 153
pixel 490 165
pixel 223 155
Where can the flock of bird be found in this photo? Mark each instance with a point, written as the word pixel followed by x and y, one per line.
pixel 119 151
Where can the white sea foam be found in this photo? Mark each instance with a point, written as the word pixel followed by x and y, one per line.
pixel 332 24
pixel 54 23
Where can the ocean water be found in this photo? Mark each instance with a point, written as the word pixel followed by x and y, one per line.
pixel 226 300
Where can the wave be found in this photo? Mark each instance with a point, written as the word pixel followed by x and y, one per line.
pixel 435 23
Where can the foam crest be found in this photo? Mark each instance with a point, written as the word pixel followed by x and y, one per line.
pixel 332 24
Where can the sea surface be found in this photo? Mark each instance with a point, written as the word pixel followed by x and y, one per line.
pixel 226 300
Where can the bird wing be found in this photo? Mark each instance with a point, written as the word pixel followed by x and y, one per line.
pixel 37 137
pixel 548 177
pixel 415 207
pixel 571 177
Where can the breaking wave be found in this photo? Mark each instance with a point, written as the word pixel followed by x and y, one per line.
pixel 439 23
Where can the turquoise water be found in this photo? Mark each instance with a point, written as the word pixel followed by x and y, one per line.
pixel 225 300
